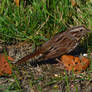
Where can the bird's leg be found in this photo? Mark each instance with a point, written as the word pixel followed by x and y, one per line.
pixel 59 61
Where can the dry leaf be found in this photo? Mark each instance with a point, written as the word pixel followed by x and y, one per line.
pixel 17 2
pixel 4 65
pixel 75 63
pixel 73 2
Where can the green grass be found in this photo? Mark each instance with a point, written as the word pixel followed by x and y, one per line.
pixel 40 20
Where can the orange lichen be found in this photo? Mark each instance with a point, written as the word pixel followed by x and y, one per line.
pixel 75 63
pixel 4 66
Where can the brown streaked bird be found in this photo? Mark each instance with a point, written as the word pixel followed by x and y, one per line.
pixel 60 44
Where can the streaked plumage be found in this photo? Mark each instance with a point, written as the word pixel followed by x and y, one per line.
pixel 60 44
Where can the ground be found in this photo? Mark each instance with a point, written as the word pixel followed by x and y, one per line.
pixel 45 76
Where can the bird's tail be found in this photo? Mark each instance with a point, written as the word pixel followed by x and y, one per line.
pixel 33 56
pixel 38 54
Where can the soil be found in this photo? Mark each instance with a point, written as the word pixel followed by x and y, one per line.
pixel 44 76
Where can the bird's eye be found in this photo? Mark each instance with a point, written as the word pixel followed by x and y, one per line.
pixel 81 30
